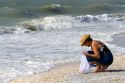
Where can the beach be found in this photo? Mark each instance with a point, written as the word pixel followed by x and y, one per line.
pixel 39 41
pixel 69 73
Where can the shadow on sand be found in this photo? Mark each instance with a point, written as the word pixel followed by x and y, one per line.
pixel 116 70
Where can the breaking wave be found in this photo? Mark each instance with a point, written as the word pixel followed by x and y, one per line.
pixel 60 22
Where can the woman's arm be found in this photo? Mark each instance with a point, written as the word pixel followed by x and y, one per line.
pixel 95 50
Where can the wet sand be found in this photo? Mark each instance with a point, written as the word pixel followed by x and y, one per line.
pixel 69 73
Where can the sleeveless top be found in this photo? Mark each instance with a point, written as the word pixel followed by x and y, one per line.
pixel 106 56
pixel 104 48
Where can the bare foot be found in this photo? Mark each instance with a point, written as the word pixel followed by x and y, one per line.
pixel 103 68
pixel 97 69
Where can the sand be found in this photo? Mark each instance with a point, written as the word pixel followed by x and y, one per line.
pixel 69 73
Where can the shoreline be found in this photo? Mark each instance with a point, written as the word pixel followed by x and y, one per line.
pixel 55 75
pixel 69 73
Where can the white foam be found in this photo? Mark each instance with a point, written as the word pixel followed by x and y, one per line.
pixel 24 68
pixel 61 21
pixel 50 23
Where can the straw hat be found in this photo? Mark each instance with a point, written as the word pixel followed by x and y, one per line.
pixel 84 38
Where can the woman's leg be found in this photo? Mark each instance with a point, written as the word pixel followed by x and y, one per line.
pixel 105 61
pixel 100 67
pixel 97 68
pixel 103 68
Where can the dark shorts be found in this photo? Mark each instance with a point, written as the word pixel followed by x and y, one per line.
pixel 105 58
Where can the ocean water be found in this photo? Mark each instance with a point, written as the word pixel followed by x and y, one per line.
pixel 35 35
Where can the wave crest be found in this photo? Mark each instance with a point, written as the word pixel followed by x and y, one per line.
pixel 61 22
pixel 49 23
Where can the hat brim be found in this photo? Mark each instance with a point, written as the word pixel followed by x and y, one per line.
pixel 83 39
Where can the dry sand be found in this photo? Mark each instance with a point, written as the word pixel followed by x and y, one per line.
pixel 68 73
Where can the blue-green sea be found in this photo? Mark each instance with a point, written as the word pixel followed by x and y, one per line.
pixel 14 11
pixel 36 35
